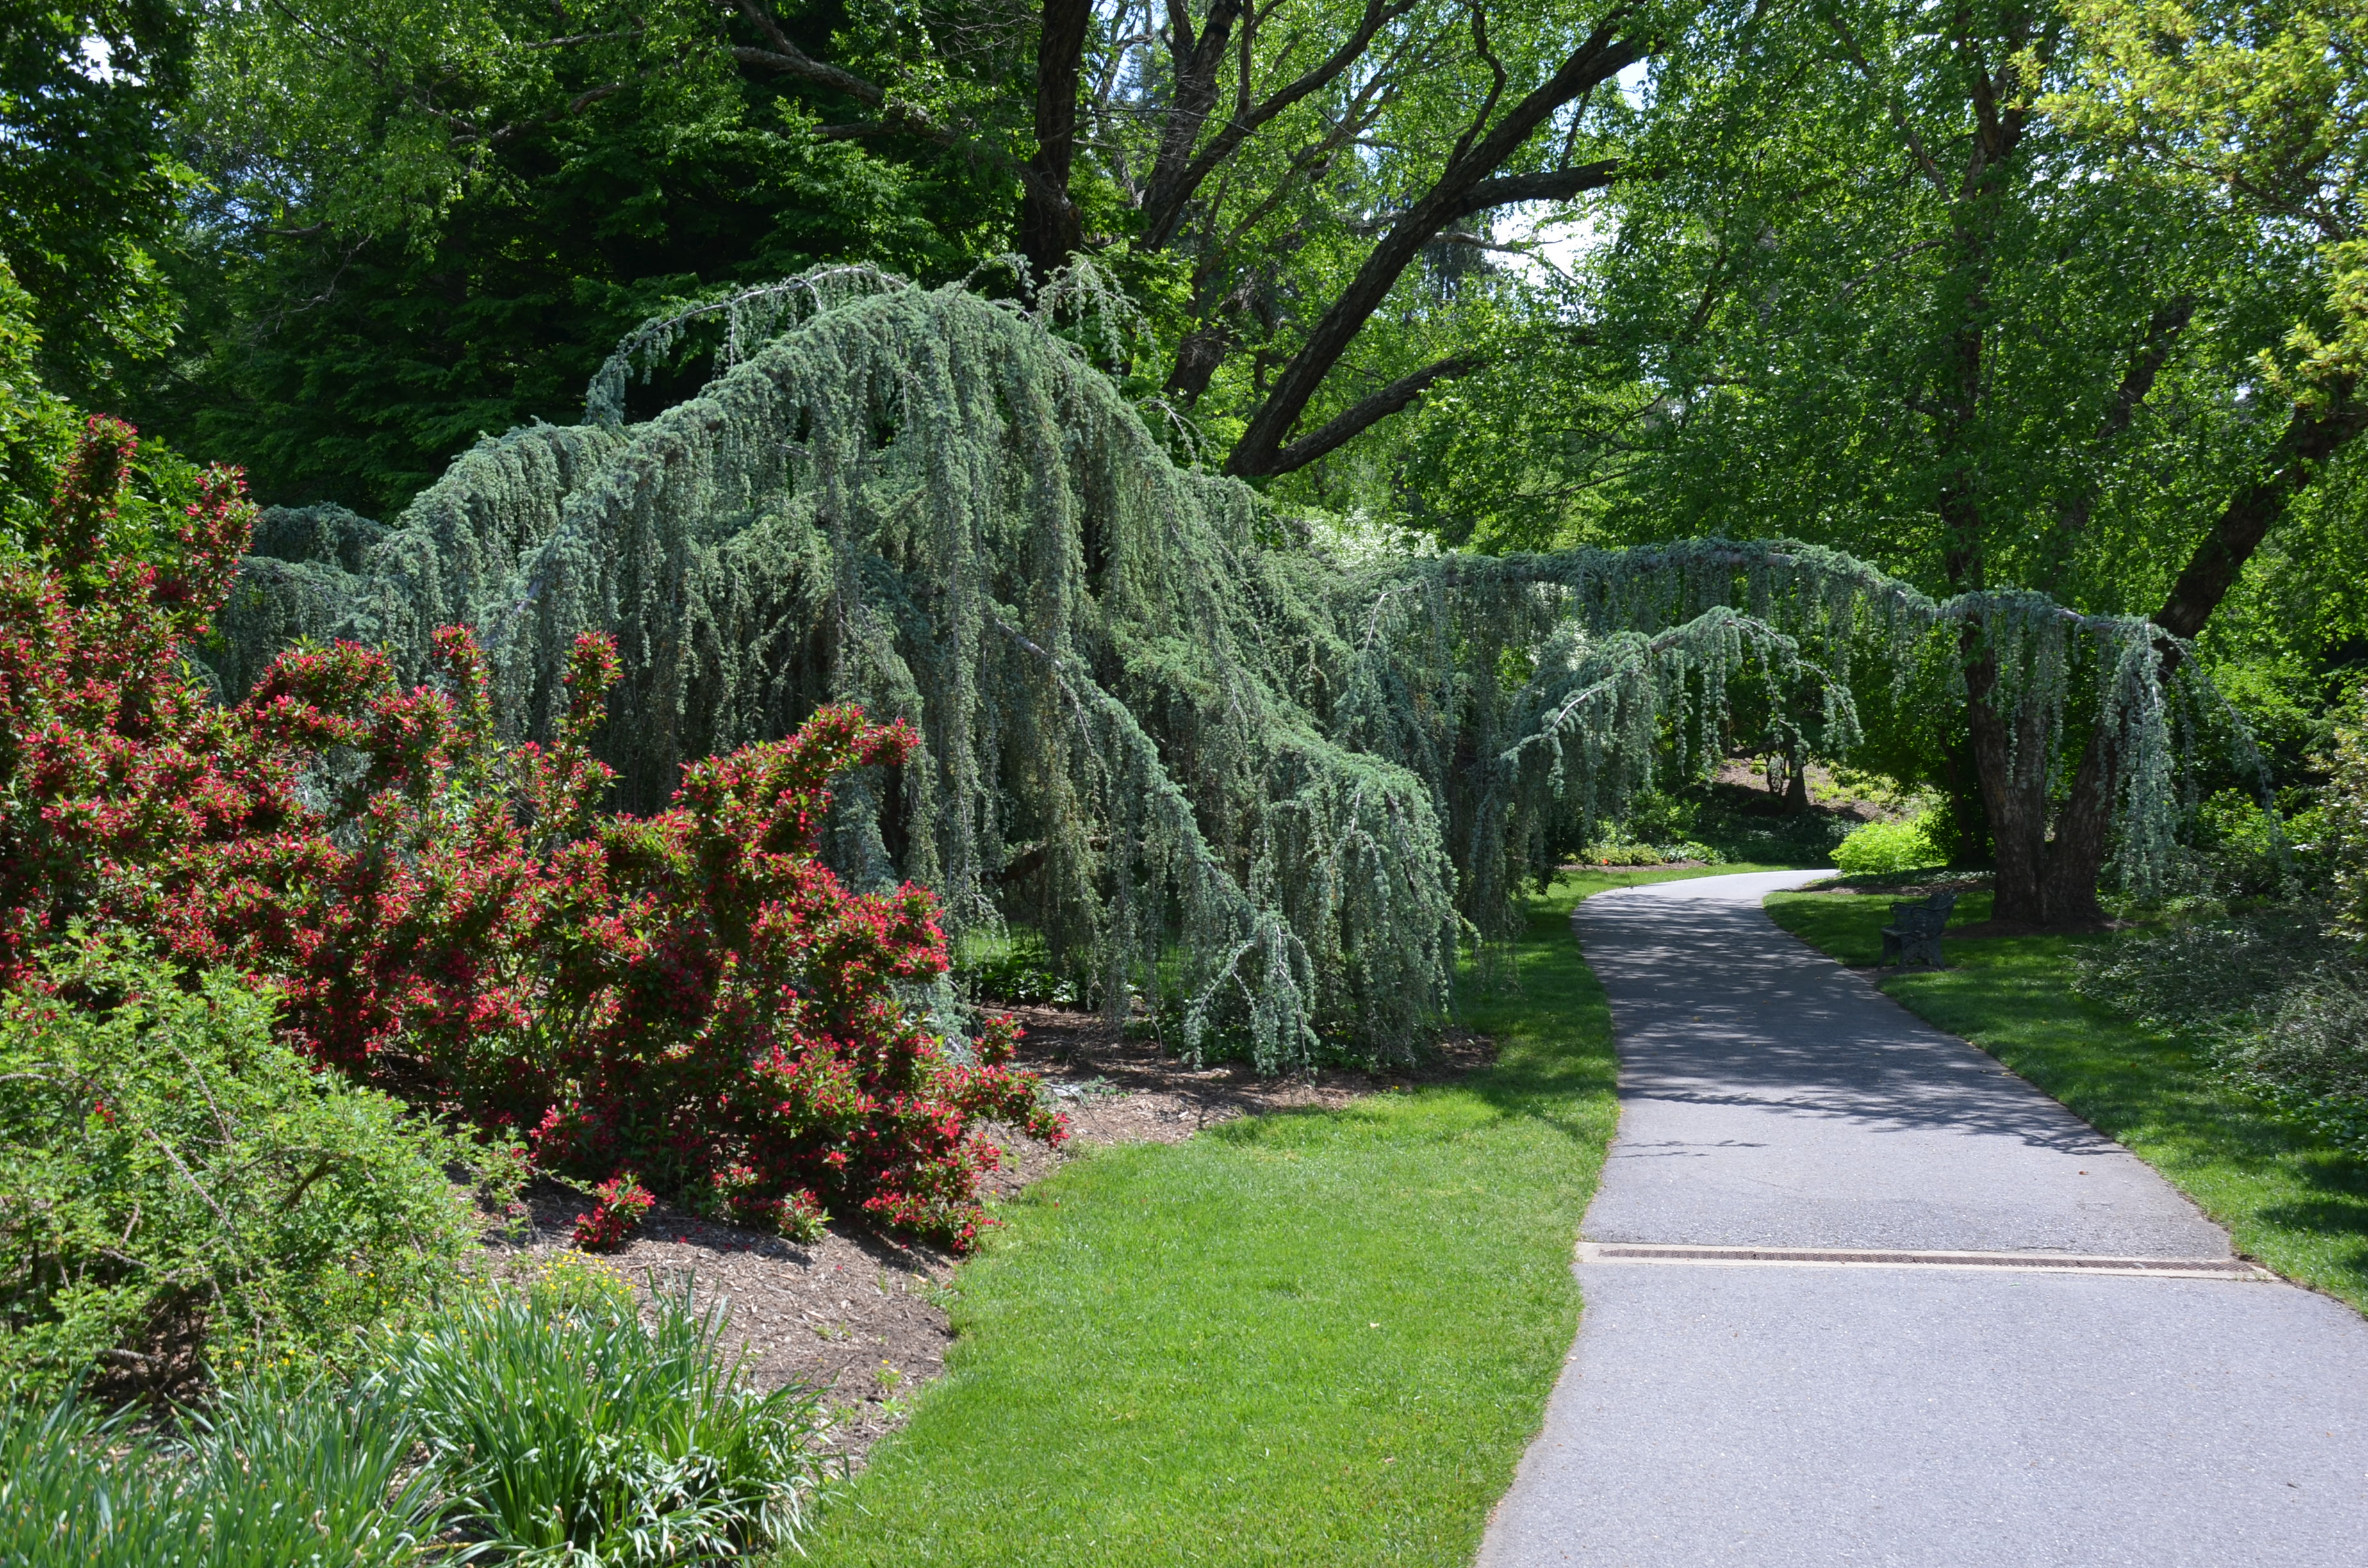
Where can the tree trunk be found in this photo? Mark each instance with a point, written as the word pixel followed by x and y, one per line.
pixel 1050 229
pixel 1197 358
pixel 1969 824
pixel 2083 831
pixel 2010 758
pixel 1193 63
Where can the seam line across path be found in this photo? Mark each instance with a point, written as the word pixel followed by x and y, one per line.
pixel 1855 1257
pixel 1856 1294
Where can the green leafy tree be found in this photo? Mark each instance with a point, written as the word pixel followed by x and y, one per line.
pixel 2264 112
pixel 2346 812
pixel 1313 191
pixel 1873 296
pixel 424 224
pixel 36 425
pixel 89 199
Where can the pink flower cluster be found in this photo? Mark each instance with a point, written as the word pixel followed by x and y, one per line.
pixel 692 994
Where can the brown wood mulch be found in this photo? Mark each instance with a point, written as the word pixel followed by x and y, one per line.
pixel 863 1317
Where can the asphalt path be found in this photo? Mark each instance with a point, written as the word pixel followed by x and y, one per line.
pixel 1810 1413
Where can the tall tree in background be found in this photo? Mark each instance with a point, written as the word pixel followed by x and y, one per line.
pixel 2265 111
pixel 1289 164
pixel 1876 299
pixel 89 197
pixel 1051 228
pixel 1277 171
pixel 424 223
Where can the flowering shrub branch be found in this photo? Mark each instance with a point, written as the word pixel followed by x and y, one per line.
pixel 620 1205
pixel 692 994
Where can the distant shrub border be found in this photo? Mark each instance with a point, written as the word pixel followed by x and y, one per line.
pixel 1883 848
pixel 1682 853
pixel 692 996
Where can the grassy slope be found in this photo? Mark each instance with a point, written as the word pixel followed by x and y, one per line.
pixel 2290 1199
pixel 1320 1338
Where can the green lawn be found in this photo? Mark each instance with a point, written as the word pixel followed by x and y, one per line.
pixel 1320 1338
pixel 2291 1199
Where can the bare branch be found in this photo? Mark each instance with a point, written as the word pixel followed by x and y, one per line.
pixel 1550 184
pixel 1165 204
pixel 2162 333
pixel 1495 85
pixel 1467 184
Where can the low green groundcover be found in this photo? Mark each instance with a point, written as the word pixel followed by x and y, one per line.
pixel 1306 1338
pixel 541 1421
pixel 180 1195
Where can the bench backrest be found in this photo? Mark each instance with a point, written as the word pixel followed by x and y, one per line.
pixel 1923 916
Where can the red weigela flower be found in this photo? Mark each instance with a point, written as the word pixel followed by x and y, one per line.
pixel 692 994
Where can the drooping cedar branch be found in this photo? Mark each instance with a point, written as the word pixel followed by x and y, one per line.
pixel 1271 785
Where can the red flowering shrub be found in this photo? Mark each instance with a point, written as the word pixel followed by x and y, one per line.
pixel 620 1205
pixel 692 994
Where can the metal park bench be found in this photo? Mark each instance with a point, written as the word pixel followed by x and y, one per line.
pixel 1914 934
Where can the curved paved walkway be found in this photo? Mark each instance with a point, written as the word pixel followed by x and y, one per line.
pixel 2024 1412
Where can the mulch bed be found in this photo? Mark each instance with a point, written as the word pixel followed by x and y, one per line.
pixel 863 1316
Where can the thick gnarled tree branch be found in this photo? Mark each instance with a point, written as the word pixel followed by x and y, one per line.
pixel 1367 412
pixel 1180 172
pixel 1469 184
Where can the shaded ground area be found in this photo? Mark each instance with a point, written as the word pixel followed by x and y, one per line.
pixel 1771 1099
pixel 1736 814
pixel 2294 1198
pixel 864 1316
pixel 1968 921
pixel 1116 1090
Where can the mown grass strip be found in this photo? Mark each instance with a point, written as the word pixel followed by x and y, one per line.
pixel 1315 1339
pixel 2290 1199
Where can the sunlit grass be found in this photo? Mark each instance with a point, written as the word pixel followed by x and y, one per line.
pixel 1317 1338
pixel 2290 1198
